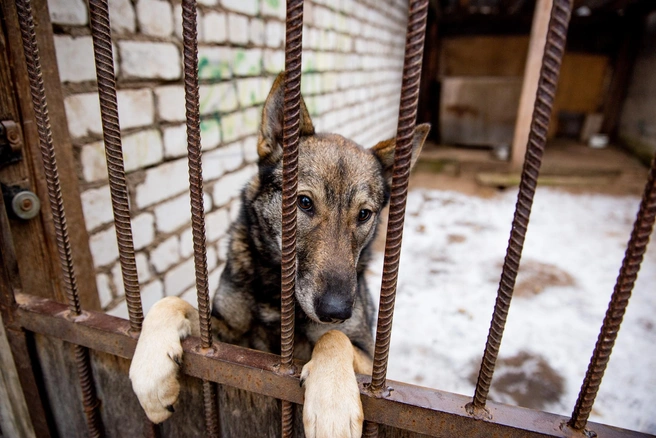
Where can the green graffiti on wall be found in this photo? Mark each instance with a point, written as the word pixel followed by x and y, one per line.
pixel 212 69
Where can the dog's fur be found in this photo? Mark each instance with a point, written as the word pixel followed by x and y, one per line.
pixel 342 190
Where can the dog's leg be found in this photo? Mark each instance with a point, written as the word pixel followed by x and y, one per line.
pixel 332 406
pixel 157 358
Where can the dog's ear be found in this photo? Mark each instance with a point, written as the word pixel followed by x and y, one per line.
pixel 384 150
pixel 269 146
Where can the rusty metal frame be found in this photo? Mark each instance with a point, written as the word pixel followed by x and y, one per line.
pixel 399 405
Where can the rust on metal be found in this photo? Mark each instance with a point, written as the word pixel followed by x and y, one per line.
pixel 550 70
pixel 104 58
pixel 40 107
pixel 417 409
pixel 89 397
pixel 291 138
pixel 291 132
pixel 192 105
pixel 642 229
pixel 414 52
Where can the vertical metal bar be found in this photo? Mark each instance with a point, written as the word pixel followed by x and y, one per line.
pixel 89 397
pixel 635 251
pixel 33 62
pixel 414 52
pixel 553 54
pixel 291 132
pixel 190 41
pixel 102 47
pixel 37 89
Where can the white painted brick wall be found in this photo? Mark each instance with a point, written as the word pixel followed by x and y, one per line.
pixel 166 254
pixel 155 17
pixel 170 103
pixel 150 60
pixel 68 12
pixel 173 214
pixel 237 28
pixel 75 58
pixel 121 16
pixel 352 59
pixel 215 27
pixel 163 182
pixel 248 7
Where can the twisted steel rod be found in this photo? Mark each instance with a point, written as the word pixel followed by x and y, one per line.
pixel 291 132
pixel 414 52
pixel 642 229
pixel 550 70
pixel 89 397
pixel 399 191
pixel 104 58
pixel 192 105
pixel 40 106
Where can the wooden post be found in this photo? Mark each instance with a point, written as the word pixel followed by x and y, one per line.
pixel 530 84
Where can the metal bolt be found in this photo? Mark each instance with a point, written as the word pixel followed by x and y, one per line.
pixel 12 135
pixel 26 204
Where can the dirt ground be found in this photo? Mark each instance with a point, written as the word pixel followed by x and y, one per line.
pixel 567 164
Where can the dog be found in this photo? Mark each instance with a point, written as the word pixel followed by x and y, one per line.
pixel 342 189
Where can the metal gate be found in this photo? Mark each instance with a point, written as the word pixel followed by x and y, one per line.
pixel 387 405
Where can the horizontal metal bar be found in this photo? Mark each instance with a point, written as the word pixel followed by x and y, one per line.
pixel 417 409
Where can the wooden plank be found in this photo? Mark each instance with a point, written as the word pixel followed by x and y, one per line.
pixel 498 179
pixel 537 42
pixel 483 56
pixel 479 111
pixel 582 86
pixel 35 239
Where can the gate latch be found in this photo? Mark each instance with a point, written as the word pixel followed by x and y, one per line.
pixel 11 143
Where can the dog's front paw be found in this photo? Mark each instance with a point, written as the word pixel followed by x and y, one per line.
pixel 158 356
pixel 154 374
pixel 332 406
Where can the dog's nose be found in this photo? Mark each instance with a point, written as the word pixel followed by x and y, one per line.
pixel 334 308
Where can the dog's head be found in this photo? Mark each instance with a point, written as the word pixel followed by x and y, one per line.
pixel 342 189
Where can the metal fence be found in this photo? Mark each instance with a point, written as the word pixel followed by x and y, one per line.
pixel 399 405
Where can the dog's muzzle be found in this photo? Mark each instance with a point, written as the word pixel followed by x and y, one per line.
pixel 334 308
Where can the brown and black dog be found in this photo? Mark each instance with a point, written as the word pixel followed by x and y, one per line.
pixel 342 189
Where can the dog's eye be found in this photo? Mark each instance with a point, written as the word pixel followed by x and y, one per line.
pixel 364 215
pixel 305 203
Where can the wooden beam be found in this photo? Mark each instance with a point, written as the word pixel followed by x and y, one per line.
pixel 530 84
pixel 35 239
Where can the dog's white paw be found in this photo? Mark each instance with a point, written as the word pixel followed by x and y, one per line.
pixel 332 406
pixel 157 359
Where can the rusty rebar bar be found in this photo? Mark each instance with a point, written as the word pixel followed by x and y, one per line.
pixel 550 70
pixel 418 11
pixel 40 107
pixel 89 397
pixel 190 40
pixel 104 58
pixel 212 427
pixel 291 133
pixel 414 52
pixel 642 229
pixel 192 105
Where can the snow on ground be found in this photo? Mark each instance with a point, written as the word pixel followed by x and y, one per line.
pixel 453 249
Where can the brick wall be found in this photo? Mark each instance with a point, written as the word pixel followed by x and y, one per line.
pixel 352 61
